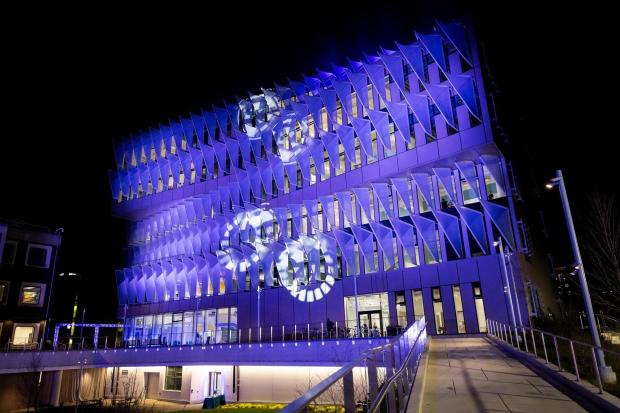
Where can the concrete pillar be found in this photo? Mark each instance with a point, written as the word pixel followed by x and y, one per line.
pixel 56 381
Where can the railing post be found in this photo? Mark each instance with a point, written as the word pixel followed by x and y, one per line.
pixel 517 337
pixel 557 352
pixel 249 335
pixel 336 330
pixel 401 392
pixel 348 392
pixel 391 399
pixel 572 352
pixel 598 373
pixel 542 336
pixel 322 331
pixel 373 383
pixel 525 339
pixel 308 332
pixel 295 333
pixel 392 363
pixel 534 343
pixel 271 333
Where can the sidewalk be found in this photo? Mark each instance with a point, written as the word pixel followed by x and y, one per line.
pixel 472 375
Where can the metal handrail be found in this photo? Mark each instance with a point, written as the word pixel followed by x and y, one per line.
pixel 384 389
pixel 499 330
pixel 345 373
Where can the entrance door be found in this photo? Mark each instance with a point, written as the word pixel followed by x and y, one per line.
pixel 371 323
pixel 151 385
pixel 215 384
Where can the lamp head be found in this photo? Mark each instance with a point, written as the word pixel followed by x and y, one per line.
pixel 552 183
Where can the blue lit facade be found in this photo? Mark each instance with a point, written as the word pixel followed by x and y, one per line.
pixel 379 180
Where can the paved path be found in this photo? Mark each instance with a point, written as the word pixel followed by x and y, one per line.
pixel 472 375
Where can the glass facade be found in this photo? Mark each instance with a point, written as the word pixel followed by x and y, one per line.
pixel 200 327
pixel 307 185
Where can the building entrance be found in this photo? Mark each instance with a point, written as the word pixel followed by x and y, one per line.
pixel 371 323
pixel 373 315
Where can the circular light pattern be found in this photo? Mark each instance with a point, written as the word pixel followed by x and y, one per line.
pixel 307 292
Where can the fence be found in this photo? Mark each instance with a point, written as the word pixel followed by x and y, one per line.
pixel 570 355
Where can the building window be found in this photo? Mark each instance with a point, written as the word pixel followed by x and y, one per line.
pixel 438 310
pixel 458 307
pixel 174 375
pixel 4 291
pixel 479 302
pixel 30 295
pixel 418 305
pixel 10 249
pixel 23 335
pixel 38 255
pixel 401 309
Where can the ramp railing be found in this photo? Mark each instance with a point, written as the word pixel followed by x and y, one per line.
pixel 380 380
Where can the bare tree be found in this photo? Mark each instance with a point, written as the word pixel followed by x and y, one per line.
pixel 602 251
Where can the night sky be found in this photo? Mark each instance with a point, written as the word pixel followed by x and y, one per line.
pixel 71 85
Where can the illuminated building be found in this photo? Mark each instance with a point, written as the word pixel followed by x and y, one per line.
pixel 375 186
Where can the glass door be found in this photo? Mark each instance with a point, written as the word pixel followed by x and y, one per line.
pixel 371 323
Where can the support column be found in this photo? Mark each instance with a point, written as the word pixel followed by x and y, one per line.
pixel 56 381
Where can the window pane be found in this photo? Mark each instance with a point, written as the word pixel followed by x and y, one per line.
pixel 458 307
pixel 31 295
pixel 174 377
pixel 23 335
pixel 37 257
pixel 418 304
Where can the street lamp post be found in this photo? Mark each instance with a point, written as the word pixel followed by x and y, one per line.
pixel 357 314
pixel 258 290
pixel 607 374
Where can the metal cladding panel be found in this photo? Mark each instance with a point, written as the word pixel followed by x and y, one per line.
pixel 235 203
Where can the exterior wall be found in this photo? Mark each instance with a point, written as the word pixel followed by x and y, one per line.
pixel 285 384
pixel 205 195
pixel 19 391
pixel 194 381
pixel 16 274
pixel 256 383
pixel 484 269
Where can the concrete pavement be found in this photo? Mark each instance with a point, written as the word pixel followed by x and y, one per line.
pixel 470 374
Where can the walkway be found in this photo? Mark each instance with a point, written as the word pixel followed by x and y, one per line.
pixel 471 375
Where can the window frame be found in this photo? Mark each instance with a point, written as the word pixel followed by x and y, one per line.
pixel 173 376
pixel 42 289
pixel 6 242
pixel 48 257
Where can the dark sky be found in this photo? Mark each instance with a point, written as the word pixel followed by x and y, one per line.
pixel 72 84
